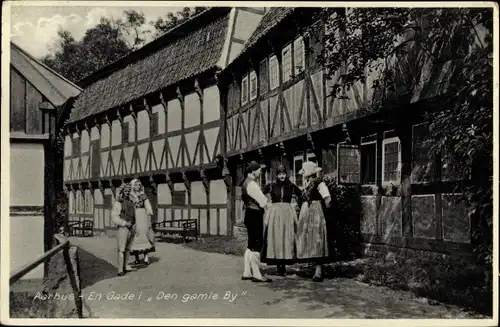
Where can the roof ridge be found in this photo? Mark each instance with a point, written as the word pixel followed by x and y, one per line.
pixel 45 66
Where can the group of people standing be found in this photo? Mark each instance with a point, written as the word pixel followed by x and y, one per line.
pixel 132 213
pixel 277 234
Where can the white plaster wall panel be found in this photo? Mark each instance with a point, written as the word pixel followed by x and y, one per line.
pixel 98 199
pixel 191 142
pixel 94 134
pixel 105 136
pixel 85 167
pixel 116 133
pixel 211 104
pixel 222 222
pixel 85 145
pixel 128 153
pixel 218 192
pixel 104 163
pixel 174 115
pixel 158 147
pixel 115 156
pixel 76 174
pixel 198 194
pixel 245 24
pixel 143 156
pixel 161 117
pixel 142 125
pixel 192 109
pixel 67 146
pixel 185 214
pixel 26 243
pixel 211 136
pixel 235 49
pixel 67 165
pixel 203 221
pixel 164 194
pixel 174 145
pixel 161 214
pixel 168 215
pixel 213 222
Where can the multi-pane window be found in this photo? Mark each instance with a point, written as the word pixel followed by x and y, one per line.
pixel 369 160
pixel 244 90
pixel 274 77
pixel 298 55
pixel 179 198
pixel 263 77
pixel 76 146
pixel 153 130
pixel 391 160
pixel 349 164
pixel 125 132
pixel 286 56
pixel 253 85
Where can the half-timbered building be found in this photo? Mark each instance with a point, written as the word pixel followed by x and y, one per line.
pixel 156 115
pixel 37 94
pixel 277 109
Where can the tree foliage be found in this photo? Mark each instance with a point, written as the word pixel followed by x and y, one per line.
pixel 108 41
pixel 414 53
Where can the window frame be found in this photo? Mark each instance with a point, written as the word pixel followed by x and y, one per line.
pixel 253 77
pixel 244 90
pixel 386 141
pixel 273 58
pixel 287 76
pixel 361 144
pixel 296 157
pixel 76 146
pixel 296 70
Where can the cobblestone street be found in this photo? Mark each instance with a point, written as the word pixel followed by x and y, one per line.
pixel 184 283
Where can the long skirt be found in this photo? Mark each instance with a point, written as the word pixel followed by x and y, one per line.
pixel 254 222
pixel 144 236
pixel 312 244
pixel 279 247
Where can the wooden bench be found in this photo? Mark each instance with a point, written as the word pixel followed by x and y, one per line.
pixel 82 227
pixel 182 227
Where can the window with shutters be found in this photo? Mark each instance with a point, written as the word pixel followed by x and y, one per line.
pixel 369 161
pixel 153 130
pixel 286 60
pixel 253 85
pixel 391 160
pixel 125 132
pixel 298 55
pixel 274 76
pixel 244 90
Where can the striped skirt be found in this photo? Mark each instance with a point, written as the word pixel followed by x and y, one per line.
pixel 279 247
pixel 312 244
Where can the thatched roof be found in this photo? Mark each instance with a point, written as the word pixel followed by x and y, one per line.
pixel 187 50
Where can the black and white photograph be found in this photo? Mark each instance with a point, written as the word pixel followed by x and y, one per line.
pixel 249 163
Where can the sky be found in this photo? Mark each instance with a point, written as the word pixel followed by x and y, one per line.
pixel 34 28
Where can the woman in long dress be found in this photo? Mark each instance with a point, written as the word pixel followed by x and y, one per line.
pixel 280 222
pixel 144 236
pixel 312 245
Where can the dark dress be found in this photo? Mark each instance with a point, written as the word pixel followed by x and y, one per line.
pixel 280 222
